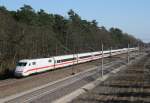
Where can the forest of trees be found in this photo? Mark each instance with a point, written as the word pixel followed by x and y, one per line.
pixel 27 33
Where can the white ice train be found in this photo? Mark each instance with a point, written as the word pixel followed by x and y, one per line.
pixel 26 67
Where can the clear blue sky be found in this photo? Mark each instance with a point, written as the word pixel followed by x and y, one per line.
pixel 132 16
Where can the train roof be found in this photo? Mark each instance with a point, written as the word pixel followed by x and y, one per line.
pixel 25 60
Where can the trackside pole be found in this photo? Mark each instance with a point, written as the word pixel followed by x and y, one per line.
pixel 128 54
pixel 138 49
pixel 102 65
pixel 73 63
pixel 110 52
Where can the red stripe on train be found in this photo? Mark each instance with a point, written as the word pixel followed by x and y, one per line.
pixel 68 62
pixel 90 58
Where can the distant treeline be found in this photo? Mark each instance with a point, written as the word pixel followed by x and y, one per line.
pixel 27 33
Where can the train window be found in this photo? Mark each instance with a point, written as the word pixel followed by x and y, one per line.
pixel 58 61
pixel 49 60
pixel 68 59
pixel 97 54
pixel 107 53
pixel 85 56
pixel 33 63
pixel 21 64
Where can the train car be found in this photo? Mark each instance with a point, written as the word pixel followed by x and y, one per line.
pixel 29 66
pixel 65 60
pixel 85 57
pixel 97 55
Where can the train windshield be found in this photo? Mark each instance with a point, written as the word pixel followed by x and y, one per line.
pixel 21 64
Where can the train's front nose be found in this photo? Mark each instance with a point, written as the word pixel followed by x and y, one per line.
pixel 20 69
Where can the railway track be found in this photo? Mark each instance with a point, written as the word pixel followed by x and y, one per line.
pixel 129 86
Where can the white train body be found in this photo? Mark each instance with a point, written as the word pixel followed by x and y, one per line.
pixel 29 66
